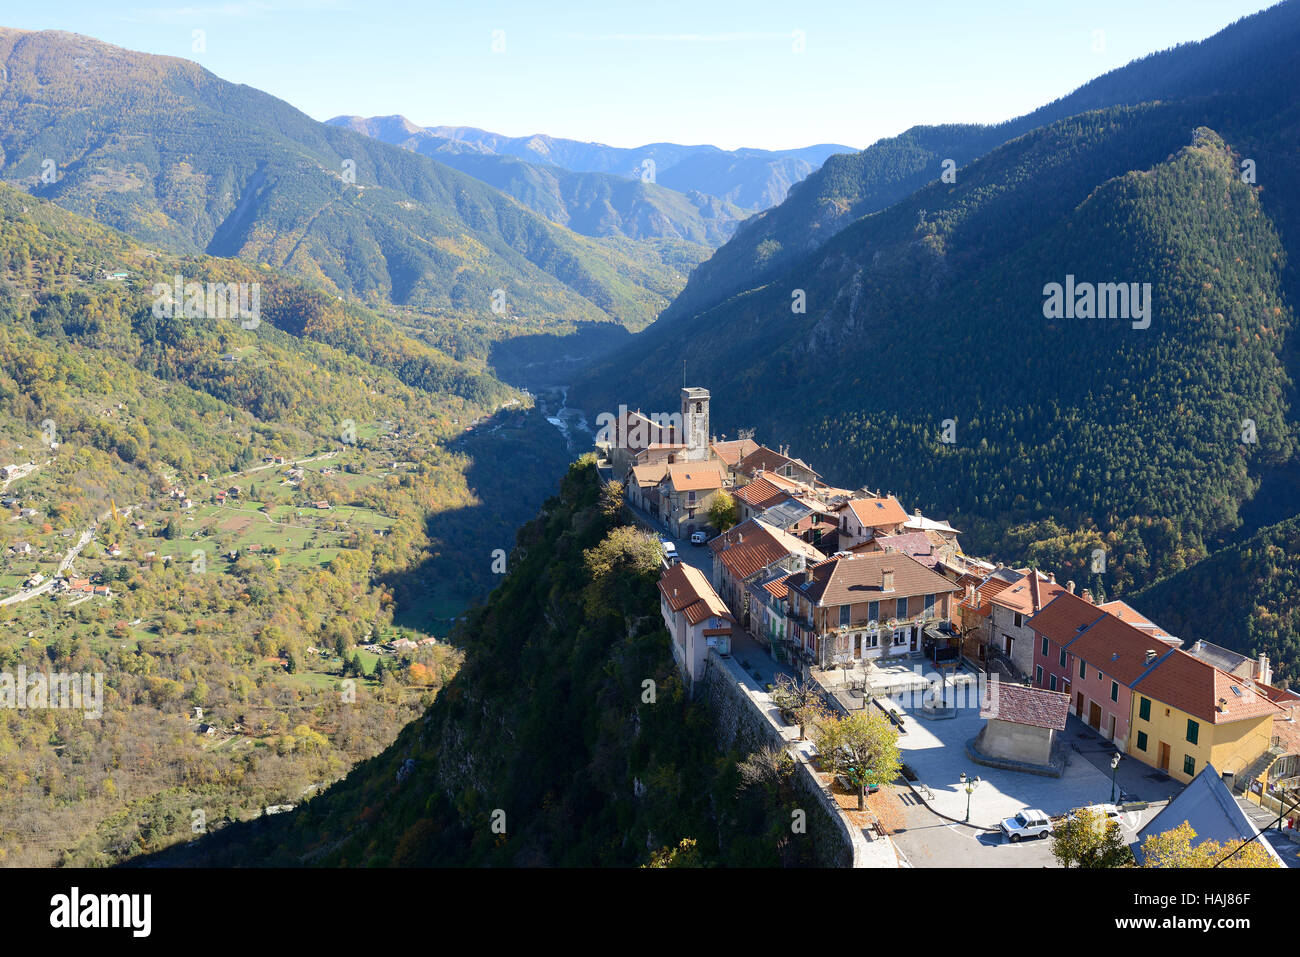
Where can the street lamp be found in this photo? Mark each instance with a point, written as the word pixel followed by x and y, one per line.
pixel 970 784
pixel 1114 765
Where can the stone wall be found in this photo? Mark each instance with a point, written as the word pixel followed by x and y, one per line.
pixel 1016 742
pixel 744 718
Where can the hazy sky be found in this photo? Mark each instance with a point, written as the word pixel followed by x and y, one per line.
pixel 734 74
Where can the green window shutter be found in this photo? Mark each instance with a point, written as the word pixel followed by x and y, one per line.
pixel 1193 731
pixel 1144 709
pixel 1189 765
pixel 1142 740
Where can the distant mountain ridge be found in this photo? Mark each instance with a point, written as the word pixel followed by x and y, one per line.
pixel 177 157
pixel 591 203
pixel 749 178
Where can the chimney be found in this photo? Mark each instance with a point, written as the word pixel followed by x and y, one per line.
pixel 1051 577
pixel 1151 655
pixel 808 575
pixel 1069 586
pixel 887 579
pixel 1263 671
pixel 1087 595
pixel 970 592
pixel 917 513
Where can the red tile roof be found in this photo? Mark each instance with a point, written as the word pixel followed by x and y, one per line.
pixel 694 476
pixel 913 544
pixel 753 545
pixel 1028 595
pixel 858 577
pixel 761 494
pixel 1064 617
pixel 1021 704
pixel 1198 688
pixel 877 512
pixel 686 590
pixel 769 460
pixel 1118 649
pixel 732 451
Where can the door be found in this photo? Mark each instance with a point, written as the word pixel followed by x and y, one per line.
pixel 1078 705
pixel 857 646
pixel 1008 640
pixel 1094 715
pixel 1112 727
pixel 1164 757
pixel 915 632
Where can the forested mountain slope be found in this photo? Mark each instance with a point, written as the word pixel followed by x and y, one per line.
pixel 150 457
pixel 545 749
pixel 1255 54
pixel 1242 597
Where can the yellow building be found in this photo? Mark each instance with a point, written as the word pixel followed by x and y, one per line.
pixel 1187 713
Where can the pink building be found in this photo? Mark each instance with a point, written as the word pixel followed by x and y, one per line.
pixel 1094 657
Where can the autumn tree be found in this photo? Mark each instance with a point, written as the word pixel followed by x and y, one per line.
pixel 724 511
pixel 863 747
pixel 1173 848
pixel 1089 840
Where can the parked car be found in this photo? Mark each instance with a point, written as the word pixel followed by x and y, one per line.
pixel 699 537
pixel 1107 812
pixel 1030 822
pixel 670 550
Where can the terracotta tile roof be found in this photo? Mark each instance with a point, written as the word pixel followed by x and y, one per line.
pixel 753 545
pixel 769 460
pixel 732 451
pixel 761 494
pixel 858 577
pixel 985 589
pixel 1064 618
pixel 794 486
pixel 1021 704
pixel 646 476
pixel 1118 649
pixel 1028 595
pixel 778 587
pixel 877 512
pixel 686 590
pixel 1198 688
pixel 694 476
pixel 1126 612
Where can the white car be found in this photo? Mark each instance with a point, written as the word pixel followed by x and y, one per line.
pixel 1028 823
pixel 1107 812
pixel 670 550
pixel 699 537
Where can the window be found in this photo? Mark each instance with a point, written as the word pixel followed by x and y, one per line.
pixel 873 611
pixel 844 614
pixel 1083 665
pixel 873 640
pixel 1144 709
pixel 690 497
pixel 1020 618
pixel 1052 681
pixel 1038 674
pixel 1114 691
pixel 1044 647
pixel 929 604
pixel 1193 731
pixel 1189 765
pixel 1061 658
pixel 902 608
pixel 1142 740
pixel 899 637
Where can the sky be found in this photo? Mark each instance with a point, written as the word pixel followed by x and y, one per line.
pixel 734 74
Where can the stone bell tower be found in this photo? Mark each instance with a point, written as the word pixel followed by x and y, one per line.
pixel 695 424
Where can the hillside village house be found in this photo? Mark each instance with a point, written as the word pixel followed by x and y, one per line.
pixel 1187 714
pixel 756 497
pixel 1095 658
pixel 642 486
pixel 1011 608
pixel 685 493
pixel 873 605
pixel 780 463
pixel 861 519
pixel 730 453
pixel 695 616
pixel 750 551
